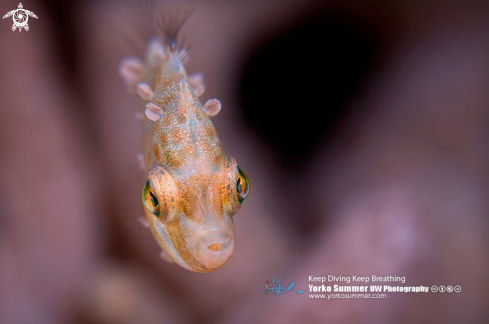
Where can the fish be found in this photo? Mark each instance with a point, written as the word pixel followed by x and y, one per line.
pixel 192 188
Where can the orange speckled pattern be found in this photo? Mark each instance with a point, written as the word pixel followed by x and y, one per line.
pixel 191 180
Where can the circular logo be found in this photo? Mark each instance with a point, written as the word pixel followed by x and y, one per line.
pixel 20 17
pixel 449 288
pixel 457 289
pixel 434 288
pixel 442 289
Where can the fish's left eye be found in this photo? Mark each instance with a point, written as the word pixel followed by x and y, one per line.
pixel 242 186
pixel 150 201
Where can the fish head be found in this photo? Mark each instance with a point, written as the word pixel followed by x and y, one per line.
pixel 191 214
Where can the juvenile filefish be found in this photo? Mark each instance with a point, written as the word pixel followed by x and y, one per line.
pixel 192 188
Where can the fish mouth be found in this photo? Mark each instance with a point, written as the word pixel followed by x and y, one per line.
pixel 215 248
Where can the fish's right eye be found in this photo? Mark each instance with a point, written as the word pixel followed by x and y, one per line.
pixel 242 185
pixel 150 200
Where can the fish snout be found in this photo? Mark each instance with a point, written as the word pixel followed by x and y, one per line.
pixel 215 249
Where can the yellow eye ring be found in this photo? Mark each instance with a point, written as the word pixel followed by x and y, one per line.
pixel 150 201
pixel 242 186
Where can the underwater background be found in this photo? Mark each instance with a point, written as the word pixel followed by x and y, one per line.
pixel 362 125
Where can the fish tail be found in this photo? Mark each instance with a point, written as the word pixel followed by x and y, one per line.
pixel 138 22
pixel 170 21
pixel 150 31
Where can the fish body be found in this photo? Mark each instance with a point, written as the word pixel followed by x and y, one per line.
pixel 192 189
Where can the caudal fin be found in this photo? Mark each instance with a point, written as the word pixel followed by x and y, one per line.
pixel 135 23
pixel 170 21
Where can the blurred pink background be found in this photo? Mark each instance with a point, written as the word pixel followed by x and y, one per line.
pixel 363 126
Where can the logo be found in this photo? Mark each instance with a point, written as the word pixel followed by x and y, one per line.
pixel 20 17
pixel 448 289
pixel 277 287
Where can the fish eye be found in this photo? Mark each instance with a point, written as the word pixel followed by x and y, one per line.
pixel 154 201
pixel 150 200
pixel 242 186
